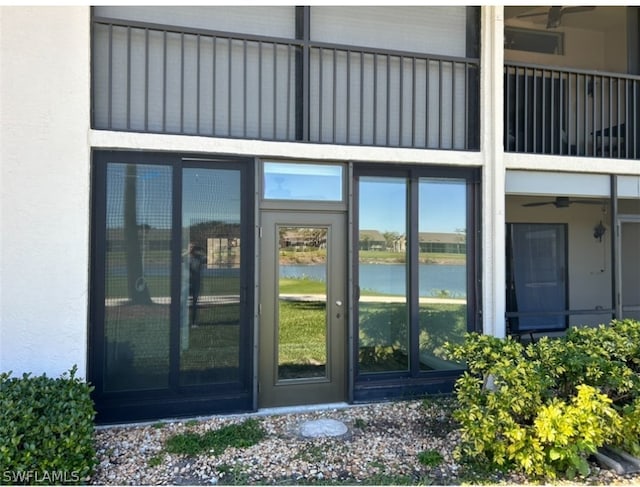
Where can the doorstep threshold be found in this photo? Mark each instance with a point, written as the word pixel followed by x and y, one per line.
pixel 306 408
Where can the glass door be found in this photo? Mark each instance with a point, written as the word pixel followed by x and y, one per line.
pixel 302 308
pixel 172 275
pixel 629 268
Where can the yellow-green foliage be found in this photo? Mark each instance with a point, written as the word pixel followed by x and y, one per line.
pixel 545 407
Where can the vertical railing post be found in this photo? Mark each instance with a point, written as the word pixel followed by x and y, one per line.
pixel 302 96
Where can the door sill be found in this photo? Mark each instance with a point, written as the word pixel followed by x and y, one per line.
pixel 307 408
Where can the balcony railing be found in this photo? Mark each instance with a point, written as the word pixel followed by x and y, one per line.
pixel 153 78
pixel 571 112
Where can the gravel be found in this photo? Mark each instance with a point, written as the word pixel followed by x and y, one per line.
pixel 381 447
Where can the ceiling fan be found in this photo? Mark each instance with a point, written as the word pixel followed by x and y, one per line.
pixel 554 14
pixel 564 202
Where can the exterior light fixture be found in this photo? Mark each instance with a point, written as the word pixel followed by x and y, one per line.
pixel 598 231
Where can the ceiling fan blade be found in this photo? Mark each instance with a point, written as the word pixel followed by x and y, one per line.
pixel 587 202
pixel 536 14
pixel 564 202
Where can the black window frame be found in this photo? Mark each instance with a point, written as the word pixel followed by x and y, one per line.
pixel 176 400
pixel 378 385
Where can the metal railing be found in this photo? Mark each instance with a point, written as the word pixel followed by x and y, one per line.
pixel 160 79
pixel 571 112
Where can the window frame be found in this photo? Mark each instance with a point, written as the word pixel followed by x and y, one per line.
pixel 413 174
pixel 176 399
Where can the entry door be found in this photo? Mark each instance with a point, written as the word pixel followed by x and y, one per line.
pixel 302 309
pixel 629 269
pixel 537 275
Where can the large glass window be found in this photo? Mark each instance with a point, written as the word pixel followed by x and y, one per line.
pixel 412 286
pixel 382 275
pixel 171 304
pixel 442 268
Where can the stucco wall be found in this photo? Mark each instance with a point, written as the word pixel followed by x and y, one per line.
pixel 44 182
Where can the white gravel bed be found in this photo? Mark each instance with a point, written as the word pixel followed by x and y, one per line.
pixel 381 447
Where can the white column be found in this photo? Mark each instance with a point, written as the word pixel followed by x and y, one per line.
pixel 493 178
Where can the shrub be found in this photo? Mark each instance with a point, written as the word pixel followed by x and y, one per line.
pixel 545 407
pixel 46 429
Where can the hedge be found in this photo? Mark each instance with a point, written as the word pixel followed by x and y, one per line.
pixel 46 429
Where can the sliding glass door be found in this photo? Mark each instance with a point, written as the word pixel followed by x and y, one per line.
pixel 170 305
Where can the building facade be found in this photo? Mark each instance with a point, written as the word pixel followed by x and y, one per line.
pixel 220 209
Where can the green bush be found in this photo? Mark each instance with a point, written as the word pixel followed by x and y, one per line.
pixel 46 429
pixel 544 408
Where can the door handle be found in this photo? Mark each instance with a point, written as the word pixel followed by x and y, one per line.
pixel 338 303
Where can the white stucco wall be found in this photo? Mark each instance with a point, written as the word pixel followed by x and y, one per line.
pixel 44 183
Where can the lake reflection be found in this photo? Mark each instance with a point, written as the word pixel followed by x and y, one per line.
pixel 389 278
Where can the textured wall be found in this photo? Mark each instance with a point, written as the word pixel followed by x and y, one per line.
pixel 44 183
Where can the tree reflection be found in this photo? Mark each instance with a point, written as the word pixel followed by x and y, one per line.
pixel 138 291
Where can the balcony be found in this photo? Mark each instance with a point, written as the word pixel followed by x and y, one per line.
pixel 161 79
pixel 571 83
pixel 571 112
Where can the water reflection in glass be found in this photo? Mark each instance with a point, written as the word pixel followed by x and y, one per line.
pixel 442 274
pixel 382 251
pixel 302 308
